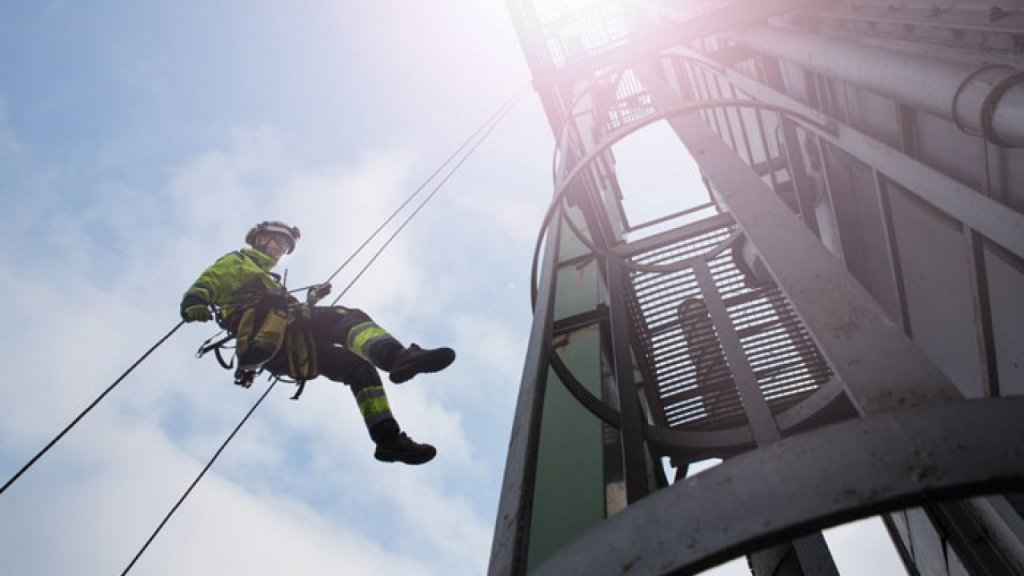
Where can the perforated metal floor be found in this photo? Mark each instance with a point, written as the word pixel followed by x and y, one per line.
pixel 694 387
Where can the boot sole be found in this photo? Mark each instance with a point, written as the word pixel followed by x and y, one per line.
pixel 433 361
pixel 412 458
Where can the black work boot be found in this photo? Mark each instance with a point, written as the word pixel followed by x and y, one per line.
pixel 401 448
pixel 415 360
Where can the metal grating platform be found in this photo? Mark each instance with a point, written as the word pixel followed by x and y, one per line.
pixel 693 384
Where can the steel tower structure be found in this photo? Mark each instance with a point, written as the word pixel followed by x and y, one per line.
pixel 840 321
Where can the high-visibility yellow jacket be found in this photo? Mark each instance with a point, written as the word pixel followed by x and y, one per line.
pixel 236 280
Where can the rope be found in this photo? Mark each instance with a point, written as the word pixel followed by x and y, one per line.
pixel 483 132
pixel 89 408
pixel 199 477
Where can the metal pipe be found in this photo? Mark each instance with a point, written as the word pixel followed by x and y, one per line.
pixel 982 101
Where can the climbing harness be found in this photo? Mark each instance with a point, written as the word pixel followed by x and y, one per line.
pixel 213 344
pixel 243 377
pixel 259 335
pixel 264 325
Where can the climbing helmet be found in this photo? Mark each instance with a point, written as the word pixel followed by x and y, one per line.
pixel 291 233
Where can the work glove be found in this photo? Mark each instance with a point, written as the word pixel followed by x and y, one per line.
pixel 194 309
pixel 317 292
pixel 197 313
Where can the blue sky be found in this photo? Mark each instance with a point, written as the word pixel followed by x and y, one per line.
pixel 138 142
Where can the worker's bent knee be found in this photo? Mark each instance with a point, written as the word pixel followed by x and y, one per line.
pixel 363 376
pixel 342 366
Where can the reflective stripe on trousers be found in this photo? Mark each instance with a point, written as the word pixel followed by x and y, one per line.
pixel 363 336
pixel 373 405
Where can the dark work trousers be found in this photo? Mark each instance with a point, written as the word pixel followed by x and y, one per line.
pixel 350 347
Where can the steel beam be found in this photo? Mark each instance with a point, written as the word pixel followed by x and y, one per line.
pixel 986 100
pixel 631 426
pixel 804 483
pixel 992 219
pixel 511 531
pixel 879 366
pixel 759 415
pixel 976 539
pixel 981 302
pixel 892 250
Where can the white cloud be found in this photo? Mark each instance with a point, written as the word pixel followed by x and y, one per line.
pixel 448 523
pixel 96 519
pixel 492 348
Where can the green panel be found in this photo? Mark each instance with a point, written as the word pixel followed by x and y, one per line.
pixel 569 494
pixel 577 290
pixel 569 246
pixel 577 286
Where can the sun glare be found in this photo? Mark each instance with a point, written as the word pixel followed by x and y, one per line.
pixel 549 10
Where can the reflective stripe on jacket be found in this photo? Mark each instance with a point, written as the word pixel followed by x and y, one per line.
pixel 237 279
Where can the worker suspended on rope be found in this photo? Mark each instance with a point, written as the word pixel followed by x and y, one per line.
pixel 277 333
